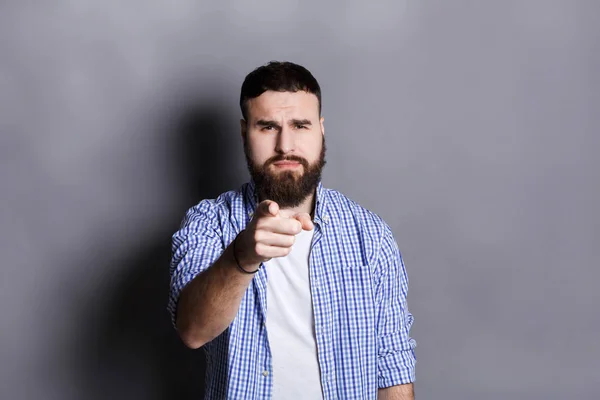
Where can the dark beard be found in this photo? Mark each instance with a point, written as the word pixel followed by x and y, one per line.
pixel 287 189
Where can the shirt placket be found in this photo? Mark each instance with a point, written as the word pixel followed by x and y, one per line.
pixel 264 370
pixel 322 311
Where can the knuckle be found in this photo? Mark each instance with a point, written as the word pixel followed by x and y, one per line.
pixel 255 236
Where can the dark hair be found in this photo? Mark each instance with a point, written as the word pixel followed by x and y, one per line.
pixel 280 76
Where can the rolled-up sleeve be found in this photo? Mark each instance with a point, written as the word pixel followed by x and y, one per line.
pixel 395 357
pixel 195 247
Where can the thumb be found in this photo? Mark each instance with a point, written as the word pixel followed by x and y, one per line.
pixel 268 207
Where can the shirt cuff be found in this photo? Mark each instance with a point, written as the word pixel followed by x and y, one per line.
pixel 396 368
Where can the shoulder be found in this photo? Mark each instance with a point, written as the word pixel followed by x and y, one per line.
pixel 344 208
pixel 213 211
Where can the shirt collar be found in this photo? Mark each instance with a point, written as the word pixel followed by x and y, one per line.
pixel 320 215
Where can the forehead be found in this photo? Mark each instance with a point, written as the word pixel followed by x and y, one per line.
pixel 272 104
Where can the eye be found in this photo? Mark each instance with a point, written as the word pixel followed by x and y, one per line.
pixel 267 128
pixel 300 126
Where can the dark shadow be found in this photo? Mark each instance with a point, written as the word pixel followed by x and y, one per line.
pixel 128 343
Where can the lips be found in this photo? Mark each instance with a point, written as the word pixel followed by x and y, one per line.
pixel 286 163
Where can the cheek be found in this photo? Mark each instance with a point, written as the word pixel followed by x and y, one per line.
pixel 259 152
pixel 312 149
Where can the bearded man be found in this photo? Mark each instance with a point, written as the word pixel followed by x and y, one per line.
pixel 293 290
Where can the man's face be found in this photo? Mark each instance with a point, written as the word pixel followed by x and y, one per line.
pixel 284 145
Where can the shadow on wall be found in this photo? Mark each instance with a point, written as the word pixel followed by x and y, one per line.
pixel 130 348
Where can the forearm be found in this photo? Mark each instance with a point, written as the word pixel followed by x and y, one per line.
pixel 398 392
pixel 210 302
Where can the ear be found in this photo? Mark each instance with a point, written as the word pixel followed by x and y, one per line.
pixel 243 128
pixel 322 126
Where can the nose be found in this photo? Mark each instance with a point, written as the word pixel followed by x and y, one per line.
pixel 285 141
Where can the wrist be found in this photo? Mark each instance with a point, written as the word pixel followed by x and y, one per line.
pixel 243 265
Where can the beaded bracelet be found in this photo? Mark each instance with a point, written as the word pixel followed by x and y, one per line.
pixel 237 263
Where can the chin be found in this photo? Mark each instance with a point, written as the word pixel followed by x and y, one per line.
pixel 287 178
pixel 294 173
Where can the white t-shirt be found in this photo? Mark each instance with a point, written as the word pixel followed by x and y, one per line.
pixel 290 324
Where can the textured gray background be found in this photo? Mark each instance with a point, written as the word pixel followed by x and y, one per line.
pixel 472 127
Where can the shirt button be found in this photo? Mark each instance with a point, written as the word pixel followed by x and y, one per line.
pixel 265 373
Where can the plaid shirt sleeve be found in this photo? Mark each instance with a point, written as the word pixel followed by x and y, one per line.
pixel 195 247
pixel 395 357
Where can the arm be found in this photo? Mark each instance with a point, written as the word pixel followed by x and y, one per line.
pixel 398 392
pixel 207 287
pixel 210 302
pixel 396 359
pixel 200 261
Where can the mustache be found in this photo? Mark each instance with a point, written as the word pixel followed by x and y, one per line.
pixel 287 158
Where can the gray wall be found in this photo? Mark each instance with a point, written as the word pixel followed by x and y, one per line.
pixel 470 126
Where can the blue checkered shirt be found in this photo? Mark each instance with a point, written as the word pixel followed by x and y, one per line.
pixel 358 284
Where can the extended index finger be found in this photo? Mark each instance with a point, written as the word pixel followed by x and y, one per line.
pixel 305 220
pixel 268 207
pixel 286 226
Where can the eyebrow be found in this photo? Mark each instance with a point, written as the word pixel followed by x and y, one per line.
pixel 300 122
pixel 266 122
